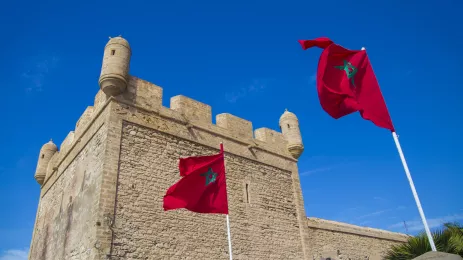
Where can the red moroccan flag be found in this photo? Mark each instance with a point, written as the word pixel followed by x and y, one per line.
pixel 346 83
pixel 202 188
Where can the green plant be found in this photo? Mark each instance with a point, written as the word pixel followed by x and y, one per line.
pixel 449 239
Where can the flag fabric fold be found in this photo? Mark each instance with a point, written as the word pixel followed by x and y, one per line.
pixel 321 42
pixel 346 83
pixel 202 187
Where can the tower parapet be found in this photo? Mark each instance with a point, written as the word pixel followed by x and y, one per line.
pixel 117 85
pixel 115 67
pixel 46 153
pixel 289 125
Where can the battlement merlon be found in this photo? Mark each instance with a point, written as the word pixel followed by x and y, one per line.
pixel 191 109
pixel 84 120
pixel 238 127
pixel 67 143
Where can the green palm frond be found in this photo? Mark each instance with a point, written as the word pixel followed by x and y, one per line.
pixel 414 247
pixel 449 240
pixel 455 242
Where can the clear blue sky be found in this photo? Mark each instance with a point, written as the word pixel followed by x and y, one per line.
pixel 242 57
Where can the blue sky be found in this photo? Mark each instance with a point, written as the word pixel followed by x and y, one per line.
pixel 242 57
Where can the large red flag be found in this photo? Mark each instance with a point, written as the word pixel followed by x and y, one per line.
pixel 346 83
pixel 202 188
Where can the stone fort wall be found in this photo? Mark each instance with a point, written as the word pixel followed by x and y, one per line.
pixel 70 194
pixel 335 240
pixel 139 150
pixel 266 208
pixel 101 196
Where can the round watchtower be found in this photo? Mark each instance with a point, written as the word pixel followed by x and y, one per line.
pixel 47 151
pixel 115 68
pixel 289 125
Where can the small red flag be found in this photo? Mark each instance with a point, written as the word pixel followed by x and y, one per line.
pixel 202 188
pixel 346 83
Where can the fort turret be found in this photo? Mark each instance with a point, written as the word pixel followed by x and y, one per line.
pixel 115 68
pixel 289 125
pixel 47 151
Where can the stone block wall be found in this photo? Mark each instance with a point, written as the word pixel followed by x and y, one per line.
pixel 262 210
pixel 266 213
pixel 66 220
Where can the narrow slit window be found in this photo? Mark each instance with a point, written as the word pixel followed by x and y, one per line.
pixel 247 193
pixel 113 52
pixel 289 126
pixel 43 155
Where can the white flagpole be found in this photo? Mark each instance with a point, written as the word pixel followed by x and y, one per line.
pixel 412 186
pixel 228 219
pixel 415 194
pixel 229 238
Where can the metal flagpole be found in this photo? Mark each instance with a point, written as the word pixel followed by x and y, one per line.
pixel 412 186
pixel 229 238
pixel 228 219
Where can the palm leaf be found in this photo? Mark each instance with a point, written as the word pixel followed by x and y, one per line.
pixel 449 240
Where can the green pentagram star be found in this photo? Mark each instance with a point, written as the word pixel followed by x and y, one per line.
pixel 210 176
pixel 349 69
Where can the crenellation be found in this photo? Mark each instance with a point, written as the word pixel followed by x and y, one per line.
pixel 100 99
pixel 73 149
pixel 67 143
pixel 238 127
pixel 191 109
pixel 143 94
pixel 84 120
pixel 270 136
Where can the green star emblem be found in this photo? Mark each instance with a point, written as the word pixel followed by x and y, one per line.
pixel 210 175
pixel 349 69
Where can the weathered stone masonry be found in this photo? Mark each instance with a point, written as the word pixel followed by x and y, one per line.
pixel 101 193
pixel 335 240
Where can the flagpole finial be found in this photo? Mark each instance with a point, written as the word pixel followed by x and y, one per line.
pixel 363 48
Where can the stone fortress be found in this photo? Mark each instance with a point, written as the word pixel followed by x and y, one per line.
pixel 102 190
